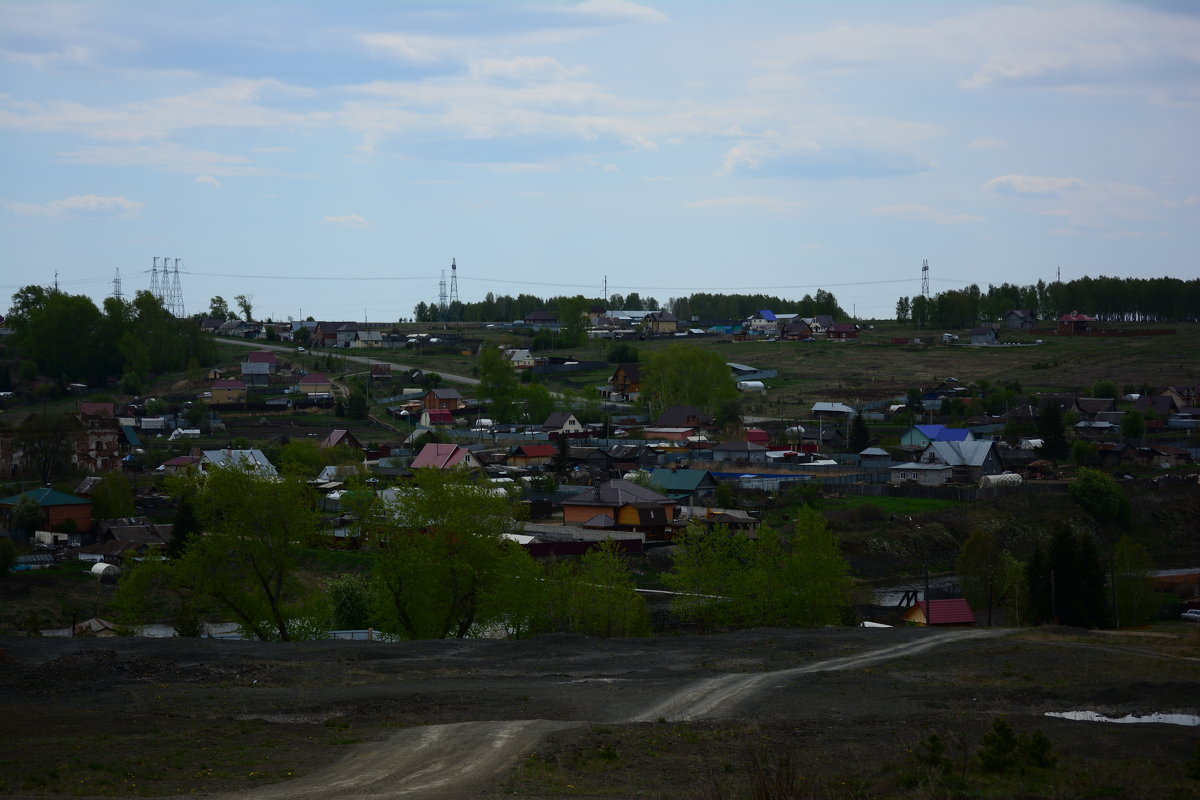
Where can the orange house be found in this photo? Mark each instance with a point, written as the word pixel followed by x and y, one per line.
pixel 62 511
pixel 622 505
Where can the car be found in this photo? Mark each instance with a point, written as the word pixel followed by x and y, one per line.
pixel 301 350
pixel 1191 615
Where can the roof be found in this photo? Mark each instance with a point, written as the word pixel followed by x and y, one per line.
pixel 947 612
pixel 96 409
pixel 131 437
pixel 534 450
pixel 742 447
pixel 1024 313
pixel 616 493
pixel 261 357
pixel 633 372
pixel 341 436
pixel 251 460
pixel 679 480
pixel 843 327
pixel 767 314
pixel 940 433
pixel 181 461
pixel 439 415
pixel 445 394
pixel 441 456
pixel 962 454
pixel 45 496
pixel 1075 316
pixel 314 377
pixel 558 419
pixel 837 408
pixel 682 417
pixel 230 384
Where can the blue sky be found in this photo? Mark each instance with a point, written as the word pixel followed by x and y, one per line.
pixel 330 159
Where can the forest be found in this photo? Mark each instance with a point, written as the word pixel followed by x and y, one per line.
pixel 1106 299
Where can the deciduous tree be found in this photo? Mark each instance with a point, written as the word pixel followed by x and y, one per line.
pixel 686 375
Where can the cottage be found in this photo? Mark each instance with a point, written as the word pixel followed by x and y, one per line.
pixel 796 331
pixel 683 416
pixel 436 455
pixel 740 451
pixel 924 435
pixel 684 483
pixel 1074 323
pixel 444 399
pixel 542 320
pixel 60 511
pixel 1019 318
pixel 622 505
pixel 431 417
pixel 341 438
pixel 969 460
pixel 985 334
pixel 228 391
pixel 829 410
pixel 563 423
pixel 763 323
pixel 532 455
pixel 626 382
pixel 921 474
pixel 842 331
pixel 262 357
pixel 519 359
pixel 661 322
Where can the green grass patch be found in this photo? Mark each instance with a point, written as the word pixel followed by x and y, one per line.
pixel 892 505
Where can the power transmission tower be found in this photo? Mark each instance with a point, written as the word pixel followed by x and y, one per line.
pixel 442 298
pixel 453 284
pixel 117 286
pixel 177 294
pixel 155 288
pixel 925 278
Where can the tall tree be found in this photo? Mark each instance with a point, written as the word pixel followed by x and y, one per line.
pixel 439 549
pixel 246 562
pixel 498 383
pixel 688 375
pixel 860 436
pixel 246 305
pixel 1053 434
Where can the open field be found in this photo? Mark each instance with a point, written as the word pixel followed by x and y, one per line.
pixel 837 713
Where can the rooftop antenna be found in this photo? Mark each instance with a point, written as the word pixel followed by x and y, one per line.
pixel 117 286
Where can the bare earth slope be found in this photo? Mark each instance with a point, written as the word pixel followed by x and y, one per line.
pixel 565 715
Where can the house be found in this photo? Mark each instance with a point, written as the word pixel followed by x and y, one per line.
pixel 178 464
pixel 262 357
pixel 683 416
pixel 542 319
pixel 249 460
pixel 624 458
pixel 563 423
pixel 969 460
pixel 381 372
pixel 325 334
pixel 532 455
pixel 444 399
pixel 1089 407
pixel 341 438
pixel 519 359
pixel 316 384
pixel 138 530
pixel 763 323
pixel 228 391
pixel 1019 318
pixel 1074 323
pixel 985 334
pixel 796 331
pixel 684 483
pixel 951 613
pixel 103 410
pixel 831 410
pixel 622 505
pixel 924 435
pixel 660 322
pixel 740 451
pixel 921 474
pixel 626 381
pixel 842 331
pixel 819 324
pixel 60 511
pixel 444 456
pixel 256 374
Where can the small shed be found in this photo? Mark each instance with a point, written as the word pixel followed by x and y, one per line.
pixel 938 613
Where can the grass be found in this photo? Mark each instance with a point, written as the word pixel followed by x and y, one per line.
pixel 891 505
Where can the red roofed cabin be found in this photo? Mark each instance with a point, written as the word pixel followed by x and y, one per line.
pixel 1073 323
pixel 944 612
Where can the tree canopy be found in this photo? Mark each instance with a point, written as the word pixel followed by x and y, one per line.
pixel 685 375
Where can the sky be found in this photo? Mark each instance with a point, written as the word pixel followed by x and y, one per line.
pixel 332 159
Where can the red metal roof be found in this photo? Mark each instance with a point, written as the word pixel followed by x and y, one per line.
pixel 948 612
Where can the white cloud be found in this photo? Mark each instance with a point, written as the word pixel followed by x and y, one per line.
pixel 1033 185
pixel 618 10
pixel 168 157
pixel 773 204
pixel 919 213
pixel 347 221
pixel 611 168
pixel 988 144
pixel 413 48
pixel 208 180
pixel 521 68
pixel 87 204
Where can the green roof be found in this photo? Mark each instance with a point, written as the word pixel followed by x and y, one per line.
pixel 47 497
pixel 678 480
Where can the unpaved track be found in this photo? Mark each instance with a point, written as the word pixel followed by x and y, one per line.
pixel 457 760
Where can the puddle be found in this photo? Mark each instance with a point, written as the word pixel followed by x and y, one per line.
pixel 1165 719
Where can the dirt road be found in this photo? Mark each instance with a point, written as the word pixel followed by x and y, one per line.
pixel 457 760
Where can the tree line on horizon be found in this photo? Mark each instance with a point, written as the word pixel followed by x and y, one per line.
pixel 704 306
pixel 1106 299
